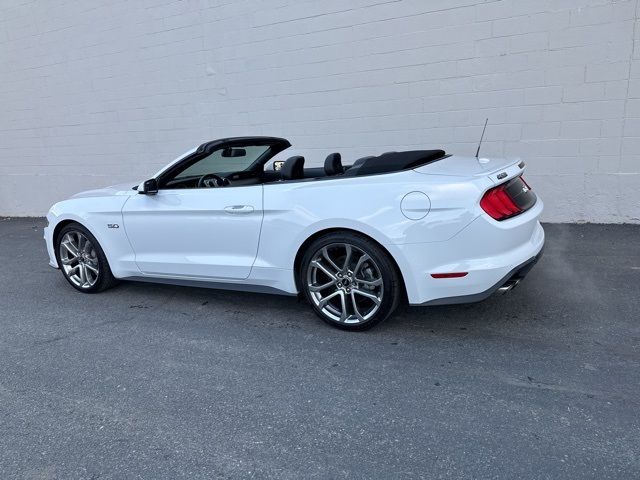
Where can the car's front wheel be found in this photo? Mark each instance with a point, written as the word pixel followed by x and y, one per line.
pixel 82 260
pixel 350 281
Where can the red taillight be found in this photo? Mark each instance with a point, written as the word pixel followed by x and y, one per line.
pixel 498 204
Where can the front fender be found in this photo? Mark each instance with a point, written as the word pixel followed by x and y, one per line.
pixel 102 216
pixel 56 217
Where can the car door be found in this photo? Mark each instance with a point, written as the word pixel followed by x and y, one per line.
pixel 207 233
pixel 194 226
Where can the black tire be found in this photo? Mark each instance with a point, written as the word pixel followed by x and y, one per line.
pixel 96 258
pixel 378 270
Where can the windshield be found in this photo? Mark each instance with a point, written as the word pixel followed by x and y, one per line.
pixel 224 160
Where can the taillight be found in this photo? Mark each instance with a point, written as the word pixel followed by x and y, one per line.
pixel 508 199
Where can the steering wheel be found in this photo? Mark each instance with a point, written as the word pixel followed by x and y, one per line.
pixel 209 180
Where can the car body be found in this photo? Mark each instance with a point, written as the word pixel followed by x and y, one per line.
pixel 247 227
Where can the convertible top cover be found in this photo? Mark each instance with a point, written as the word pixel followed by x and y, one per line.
pixel 396 161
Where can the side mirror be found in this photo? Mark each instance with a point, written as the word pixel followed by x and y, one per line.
pixel 149 187
pixel 277 165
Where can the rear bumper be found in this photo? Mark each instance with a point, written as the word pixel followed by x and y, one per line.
pixel 508 282
pixel 490 252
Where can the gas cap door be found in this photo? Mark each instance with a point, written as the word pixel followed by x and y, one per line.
pixel 415 205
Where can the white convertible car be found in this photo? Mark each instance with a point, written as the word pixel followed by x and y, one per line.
pixel 355 240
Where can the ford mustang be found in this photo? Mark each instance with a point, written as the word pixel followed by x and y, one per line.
pixel 354 240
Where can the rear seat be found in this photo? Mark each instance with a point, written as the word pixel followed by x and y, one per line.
pixel 353 170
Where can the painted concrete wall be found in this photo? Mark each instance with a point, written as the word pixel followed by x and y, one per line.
pixel 99 92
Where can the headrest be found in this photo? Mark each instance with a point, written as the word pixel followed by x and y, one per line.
pixel 293 168
pixel 333 164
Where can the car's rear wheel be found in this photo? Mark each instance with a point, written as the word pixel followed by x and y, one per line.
pixel 82 260
pixel 350 281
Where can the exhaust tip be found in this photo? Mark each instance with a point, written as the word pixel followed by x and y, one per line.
pixel 510 285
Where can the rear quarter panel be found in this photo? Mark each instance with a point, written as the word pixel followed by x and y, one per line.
pixel 294 211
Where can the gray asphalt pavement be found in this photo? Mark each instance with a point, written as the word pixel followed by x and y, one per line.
pixel 155 381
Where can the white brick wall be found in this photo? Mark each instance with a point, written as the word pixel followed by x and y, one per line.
pixel 98 92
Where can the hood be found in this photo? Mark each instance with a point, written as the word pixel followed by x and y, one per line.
pixel 121 189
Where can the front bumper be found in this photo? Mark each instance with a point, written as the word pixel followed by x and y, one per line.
pixel 48 238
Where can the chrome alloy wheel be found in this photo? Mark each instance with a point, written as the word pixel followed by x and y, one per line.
pixel 79 259
pixel 345 283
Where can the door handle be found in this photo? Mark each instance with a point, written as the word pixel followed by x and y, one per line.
pixel 238 209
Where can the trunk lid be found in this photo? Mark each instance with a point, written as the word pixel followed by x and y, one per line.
pixel 460 166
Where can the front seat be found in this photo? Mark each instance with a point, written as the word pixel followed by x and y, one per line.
pixel 293 168
pixel 333 164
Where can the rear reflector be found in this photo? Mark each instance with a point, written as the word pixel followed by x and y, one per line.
pixel 508 200
pixel 449 275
